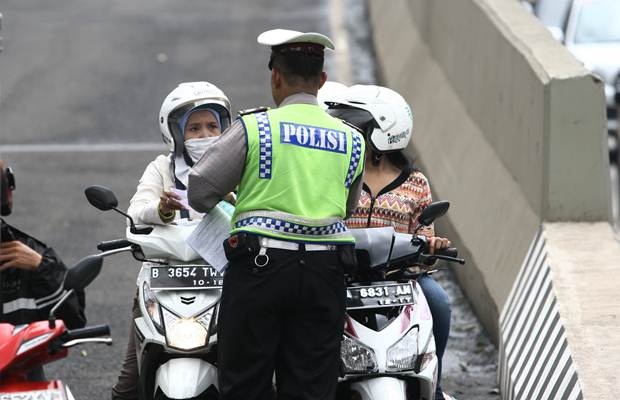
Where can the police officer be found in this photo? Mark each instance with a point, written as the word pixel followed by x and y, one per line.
pixel 298 172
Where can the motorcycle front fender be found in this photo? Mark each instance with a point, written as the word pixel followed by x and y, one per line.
pixel 185 378
pixel 381 388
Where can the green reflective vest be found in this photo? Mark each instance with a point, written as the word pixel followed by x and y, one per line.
pixel 299 166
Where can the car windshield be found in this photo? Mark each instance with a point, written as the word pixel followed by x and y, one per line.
pixel 598 21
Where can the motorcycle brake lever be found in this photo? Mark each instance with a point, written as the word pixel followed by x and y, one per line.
pixel 429 259
pixel 104 340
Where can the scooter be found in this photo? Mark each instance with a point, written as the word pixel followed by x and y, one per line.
pixel 27 347
pixel 388 348
pixel 176 331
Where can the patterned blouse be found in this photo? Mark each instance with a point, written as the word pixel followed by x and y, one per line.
pixel 398 204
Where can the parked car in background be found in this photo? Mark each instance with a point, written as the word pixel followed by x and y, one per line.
pixel 590 30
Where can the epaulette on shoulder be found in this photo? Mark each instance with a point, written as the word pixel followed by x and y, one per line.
pixel 352 126
pixel 247 111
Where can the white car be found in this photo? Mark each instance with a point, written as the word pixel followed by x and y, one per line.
pixel 590 30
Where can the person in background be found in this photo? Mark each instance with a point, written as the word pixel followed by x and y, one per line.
pixel 31 274
pixel 394 191
pixel 192 115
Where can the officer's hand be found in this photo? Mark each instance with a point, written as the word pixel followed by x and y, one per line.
pixel 169 201
pixel 17 255
pixel 436 243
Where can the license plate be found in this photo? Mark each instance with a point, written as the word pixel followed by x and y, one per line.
pixel 52 394
pixel 186 277
pixel 380 295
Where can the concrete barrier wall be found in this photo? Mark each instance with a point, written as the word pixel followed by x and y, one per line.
pixel 511 129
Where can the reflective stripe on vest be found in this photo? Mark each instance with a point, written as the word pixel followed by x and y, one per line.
pixel 264 133
pixel 283 226
pixel 356 154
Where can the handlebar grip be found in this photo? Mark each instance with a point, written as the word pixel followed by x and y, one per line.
pixel 87 332
pixel 113 244
pixel 450 252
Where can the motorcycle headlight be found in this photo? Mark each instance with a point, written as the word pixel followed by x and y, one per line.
pixel 187 333
pixel 356 357
pixel 402 354
pixel 152 307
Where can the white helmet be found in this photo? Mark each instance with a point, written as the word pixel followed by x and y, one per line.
pixel 329 91
pixel 382 114
pixel 183 98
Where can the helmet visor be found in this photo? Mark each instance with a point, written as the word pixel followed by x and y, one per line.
pixel 357 117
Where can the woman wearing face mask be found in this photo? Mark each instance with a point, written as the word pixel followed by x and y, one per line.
pixel 191 116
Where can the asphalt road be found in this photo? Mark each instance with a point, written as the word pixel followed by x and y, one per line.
pixel 79 75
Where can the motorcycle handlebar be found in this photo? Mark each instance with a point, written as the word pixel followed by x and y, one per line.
pixel 113 244
pixel 449 252
pixel 87 332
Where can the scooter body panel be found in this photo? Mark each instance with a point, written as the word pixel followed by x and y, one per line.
pixel 408 328
pixel 381 388
pixel 185 378
pixel 24 347
pixel 178 373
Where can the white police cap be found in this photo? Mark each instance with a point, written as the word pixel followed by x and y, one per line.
pixel 277 37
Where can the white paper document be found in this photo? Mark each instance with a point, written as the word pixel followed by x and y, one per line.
pixel 209 235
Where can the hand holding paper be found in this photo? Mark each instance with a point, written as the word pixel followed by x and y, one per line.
pixel 209 235
pixel 182 197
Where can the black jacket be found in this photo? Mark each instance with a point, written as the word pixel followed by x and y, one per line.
pixel 28 296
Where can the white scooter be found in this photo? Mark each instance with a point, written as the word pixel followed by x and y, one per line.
pixel 178 296
pixel 388 349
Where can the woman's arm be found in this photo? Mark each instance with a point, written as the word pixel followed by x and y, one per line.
pixel 421 199
pixel 424 199
pixel 143 206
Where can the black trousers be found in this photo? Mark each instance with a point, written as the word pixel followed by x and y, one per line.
pixel 286 317
pixel 126 387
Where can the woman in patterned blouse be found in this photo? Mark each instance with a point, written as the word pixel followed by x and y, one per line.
pixel 394 192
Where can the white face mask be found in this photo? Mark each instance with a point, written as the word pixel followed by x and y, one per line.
pixel 196 147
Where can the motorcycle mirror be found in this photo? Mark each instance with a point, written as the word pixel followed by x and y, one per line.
pixel 101 197
pixel 432 212
pixel 77 278
pixel 84 272
pixel 104 199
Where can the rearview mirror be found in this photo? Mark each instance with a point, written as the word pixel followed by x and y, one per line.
pixel 101 197
pixel 432 212
pixel 84 272
pixel 104 199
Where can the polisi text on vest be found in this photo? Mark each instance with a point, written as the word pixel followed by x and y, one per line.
pixel 313 137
